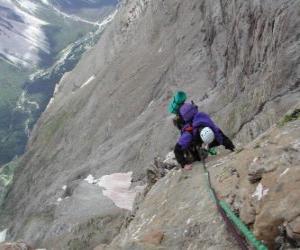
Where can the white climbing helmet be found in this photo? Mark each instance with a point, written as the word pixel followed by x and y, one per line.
pixel 207 135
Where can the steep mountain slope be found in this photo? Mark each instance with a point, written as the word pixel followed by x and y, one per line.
pixel 179 212
pixel 39 43
pixel 239 61
pixel 171 218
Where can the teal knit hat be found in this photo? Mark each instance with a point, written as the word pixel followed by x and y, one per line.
pixel 177 100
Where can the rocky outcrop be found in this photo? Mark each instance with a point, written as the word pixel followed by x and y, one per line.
pixel 15 246
pixel 238 60
pixel 271 203
pixel 177 213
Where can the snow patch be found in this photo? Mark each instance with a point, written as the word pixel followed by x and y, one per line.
pixel 23 41
pixel 3 235
pixel 27 5
pixel 88 81
pixel 90 179
pixel 64 187
pixel 260 192
pixel 117 188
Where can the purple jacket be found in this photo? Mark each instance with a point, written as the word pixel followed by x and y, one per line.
pixel 191 116
pixel 203 120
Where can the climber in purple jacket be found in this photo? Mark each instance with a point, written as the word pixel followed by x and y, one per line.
pixel 196 127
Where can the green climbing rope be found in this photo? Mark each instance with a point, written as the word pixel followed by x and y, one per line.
pixel 232 217
pixel 242 227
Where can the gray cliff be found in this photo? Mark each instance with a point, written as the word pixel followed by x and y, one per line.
pixel 238 60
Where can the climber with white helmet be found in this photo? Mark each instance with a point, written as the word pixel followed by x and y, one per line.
pixel 196 128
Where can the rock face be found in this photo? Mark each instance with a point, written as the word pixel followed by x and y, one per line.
pixel 273 200
pixel 239 61
pixel 15 246
pixel 177 213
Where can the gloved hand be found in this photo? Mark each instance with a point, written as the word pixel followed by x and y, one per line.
pixel 230 146
pixel 212 151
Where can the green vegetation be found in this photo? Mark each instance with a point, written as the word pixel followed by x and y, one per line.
pixel 11 121
pixel 295 115
pixel 6 177
pixel 15 122
pixel 11 81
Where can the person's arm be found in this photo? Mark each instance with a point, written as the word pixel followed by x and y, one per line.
pixel 228 144
pixel 178 122
pixel 183 143
pixel 179 155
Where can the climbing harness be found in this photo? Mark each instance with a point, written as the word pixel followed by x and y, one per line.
pixel 235 226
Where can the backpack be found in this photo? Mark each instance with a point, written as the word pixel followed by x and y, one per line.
pixel 187 112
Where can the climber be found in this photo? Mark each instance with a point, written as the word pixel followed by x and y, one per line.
pixel 197 128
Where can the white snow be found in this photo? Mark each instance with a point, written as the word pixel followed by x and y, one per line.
pixel 50 103
pixel 260 192
pixel 117 188
pixel 23 41
pixel 27 5
pixel 90 179
pixel 64 187
pixel 88 81
pixel 3 235
pixel 45 2
pixel 79 19
pixel 59 199
pixel 108 19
